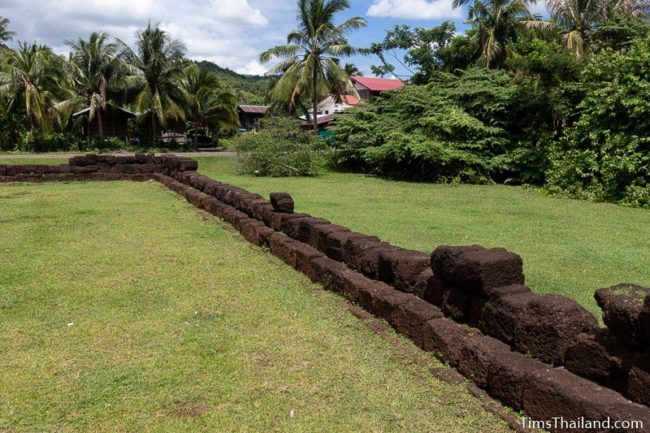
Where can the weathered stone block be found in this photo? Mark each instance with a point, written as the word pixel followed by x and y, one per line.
pixel 456 304
pixel 478 356
pixel 194 196
pixel 411 316
pixel 622 306
pixel 256 232
pixel 362 254
pixel 554 393
pixel 304 255
pixel 429 287
pixel 638 381
pixel 188 165
pixel 401 268
pixel 281 221
pixel 508 376
pixel 283 247
pixel 476 305
pixel 330 273
pixel 447 339
pixel 589 356
pixel 211 186
pixel 79 161
pixel 476 269
pixel 644 318
pixel 330 239
pixel 282 202
pixel 307 226
pixel 253 207
pixel 542 325
pixel 290 224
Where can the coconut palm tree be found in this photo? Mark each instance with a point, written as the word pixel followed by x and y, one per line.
pixel 352 70
pixel 30 79
pixel 208 102
pixel 311 55
pixel 497 23
pixel 5 34
pixel 94 64
pixel 154 71
pixel 576 19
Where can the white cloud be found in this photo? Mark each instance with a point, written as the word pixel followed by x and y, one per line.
pixel 231 33
pixel 538 8
pixel 254 68
pixel 238 10
pixel 414 9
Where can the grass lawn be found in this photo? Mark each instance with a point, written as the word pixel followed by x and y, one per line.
pixel 569 247
pixel 123 309
pixel 18 161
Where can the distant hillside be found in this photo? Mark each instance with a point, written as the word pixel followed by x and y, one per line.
pixel 251 89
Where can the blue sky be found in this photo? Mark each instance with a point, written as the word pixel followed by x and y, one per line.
pixel 231 33
pixel 383 16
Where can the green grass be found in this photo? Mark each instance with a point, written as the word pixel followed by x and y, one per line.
pixel 123 309
pixel 569 247
pixel 44 161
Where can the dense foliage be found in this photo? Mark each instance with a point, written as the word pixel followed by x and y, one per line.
pixel 561 103
pixel 605 155
pixel 279 149
pixel 451 129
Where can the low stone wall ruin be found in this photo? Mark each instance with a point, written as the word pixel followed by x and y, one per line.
pixel 138 167
pixel 543 354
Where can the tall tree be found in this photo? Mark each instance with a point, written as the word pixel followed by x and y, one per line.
pixel 5 34
pixel 155 70
pixel 497 23
pixel 351 69
pixel 311 55
pixel 418 51
pixel 29 80
pixel 208 102
pixel 94 64
pixel 576 20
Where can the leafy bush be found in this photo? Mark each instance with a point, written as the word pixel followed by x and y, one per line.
pixel 279 149
pixel 605 155
pixel 38 141
pixel 114 143
pixel 450 130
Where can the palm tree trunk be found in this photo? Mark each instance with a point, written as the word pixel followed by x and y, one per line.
pixel 100 121
pixel 154 126
pixel 314 100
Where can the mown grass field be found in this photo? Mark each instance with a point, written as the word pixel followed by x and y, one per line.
pixel 569 247
pixel 17 161
pixel 123 309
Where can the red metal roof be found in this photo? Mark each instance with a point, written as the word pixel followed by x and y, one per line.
pixel 378 84
pixel 350 100
pixel 256 109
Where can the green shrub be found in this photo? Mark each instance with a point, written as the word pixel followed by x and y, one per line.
pixel 279 149
pixel 115 143
pixel 605 155
pixel 449 130
pixel 38 141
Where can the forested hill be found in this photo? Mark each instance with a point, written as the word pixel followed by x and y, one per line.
pixel 251 89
